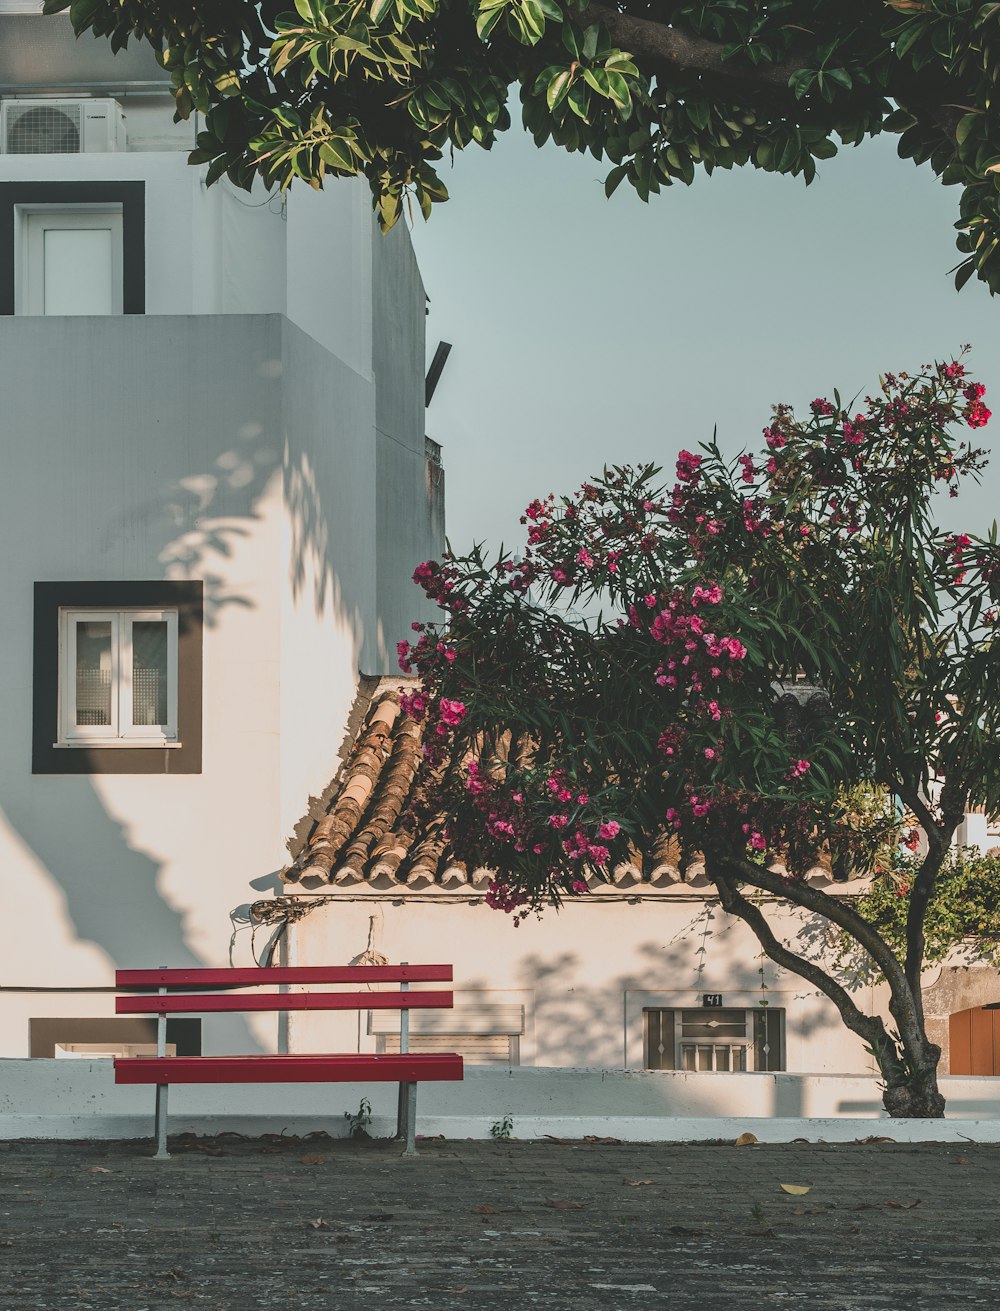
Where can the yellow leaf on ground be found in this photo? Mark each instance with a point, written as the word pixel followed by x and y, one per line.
pixel 796 1190
pixel 745 1139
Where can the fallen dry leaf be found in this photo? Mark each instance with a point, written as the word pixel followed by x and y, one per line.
pixel 318 1223
pixel 961 1160
pixel 795 1190
pixel 637 1183
pixel 593 1138
pixel 872 1138
pixel 462 1288
pixel 313 1160
pixel 565 1206
pixel 746 1139
pixel 903 1206
pixel 99 1169
pixel 563 1142
pixel 486 1210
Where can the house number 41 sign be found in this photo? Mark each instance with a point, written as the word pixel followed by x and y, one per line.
pixel 711 999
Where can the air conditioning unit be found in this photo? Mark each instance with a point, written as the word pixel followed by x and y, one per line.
pixel 61 127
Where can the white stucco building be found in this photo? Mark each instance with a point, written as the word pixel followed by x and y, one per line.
pixel 215 489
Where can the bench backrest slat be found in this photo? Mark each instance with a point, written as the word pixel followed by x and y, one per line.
pixel 173 1003
pixel 245 977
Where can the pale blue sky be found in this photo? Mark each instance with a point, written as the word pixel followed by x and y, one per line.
pixel 588 331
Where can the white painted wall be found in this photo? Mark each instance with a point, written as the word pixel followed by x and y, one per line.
pixel 79 1099
pixel 585 972
pixel 162 447
pixel 232 434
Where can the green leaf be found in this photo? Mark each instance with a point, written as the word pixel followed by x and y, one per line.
pixel 618 90
pixel 338 154
pixel 558 89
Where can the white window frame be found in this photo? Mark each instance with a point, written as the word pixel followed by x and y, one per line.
pixel 121 732
pixel 31 222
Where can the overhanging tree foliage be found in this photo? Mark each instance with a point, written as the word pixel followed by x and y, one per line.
pixel 657 88
pixel 630 673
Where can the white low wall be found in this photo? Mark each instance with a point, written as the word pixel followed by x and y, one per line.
pixel 79 1099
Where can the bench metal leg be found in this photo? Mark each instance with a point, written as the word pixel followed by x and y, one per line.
pixel 161 1123
pixel 406 1118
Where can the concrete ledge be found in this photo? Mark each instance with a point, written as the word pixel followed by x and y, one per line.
pixel 72 1099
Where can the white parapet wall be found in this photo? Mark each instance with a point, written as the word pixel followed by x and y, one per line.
pixel 73 1099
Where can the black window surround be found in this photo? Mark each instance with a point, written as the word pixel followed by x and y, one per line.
pixel 188 599
pixel 130 195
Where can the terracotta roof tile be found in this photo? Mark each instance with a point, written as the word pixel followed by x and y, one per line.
pixel 361 837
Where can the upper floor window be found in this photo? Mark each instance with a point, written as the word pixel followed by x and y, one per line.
pixel 68 261
pixel 118 678
pixel 71 248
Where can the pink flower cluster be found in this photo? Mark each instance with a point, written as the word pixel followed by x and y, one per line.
pixel 976 413
pixel 500 897
pixel 773 439
pixel 438 582
pixel 954 549
pixel 451 712
pixel 512 822
pixel 422 657
pixel 854 433
pixel 413 704
pixel 688 467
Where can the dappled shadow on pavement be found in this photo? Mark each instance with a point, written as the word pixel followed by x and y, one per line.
pixel 232 1224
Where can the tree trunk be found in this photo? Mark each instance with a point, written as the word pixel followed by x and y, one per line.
pixel 912 1093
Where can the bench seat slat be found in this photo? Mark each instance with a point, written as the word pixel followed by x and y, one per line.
pixel 173 1003
pixel 245 977
pixel 390 1068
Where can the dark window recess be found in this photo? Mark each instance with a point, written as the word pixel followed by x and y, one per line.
pixel 187 598
pixel 130 195
pixel 46 1034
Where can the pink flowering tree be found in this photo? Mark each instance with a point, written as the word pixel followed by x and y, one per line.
pixel 728 661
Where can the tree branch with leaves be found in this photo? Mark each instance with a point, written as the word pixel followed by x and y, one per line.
pixel 386 88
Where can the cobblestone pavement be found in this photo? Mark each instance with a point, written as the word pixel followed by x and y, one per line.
pixel 297 1225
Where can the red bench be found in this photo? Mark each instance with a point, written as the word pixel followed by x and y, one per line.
pixel 166 992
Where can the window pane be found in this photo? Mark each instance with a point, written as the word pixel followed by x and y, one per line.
pixel 149 671
pixel 78 270
pixel 768 1046
pixel 659 1039
pixel 93 672
pixel 714 1023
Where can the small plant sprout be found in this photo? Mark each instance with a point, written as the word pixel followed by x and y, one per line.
pixel 359 1121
